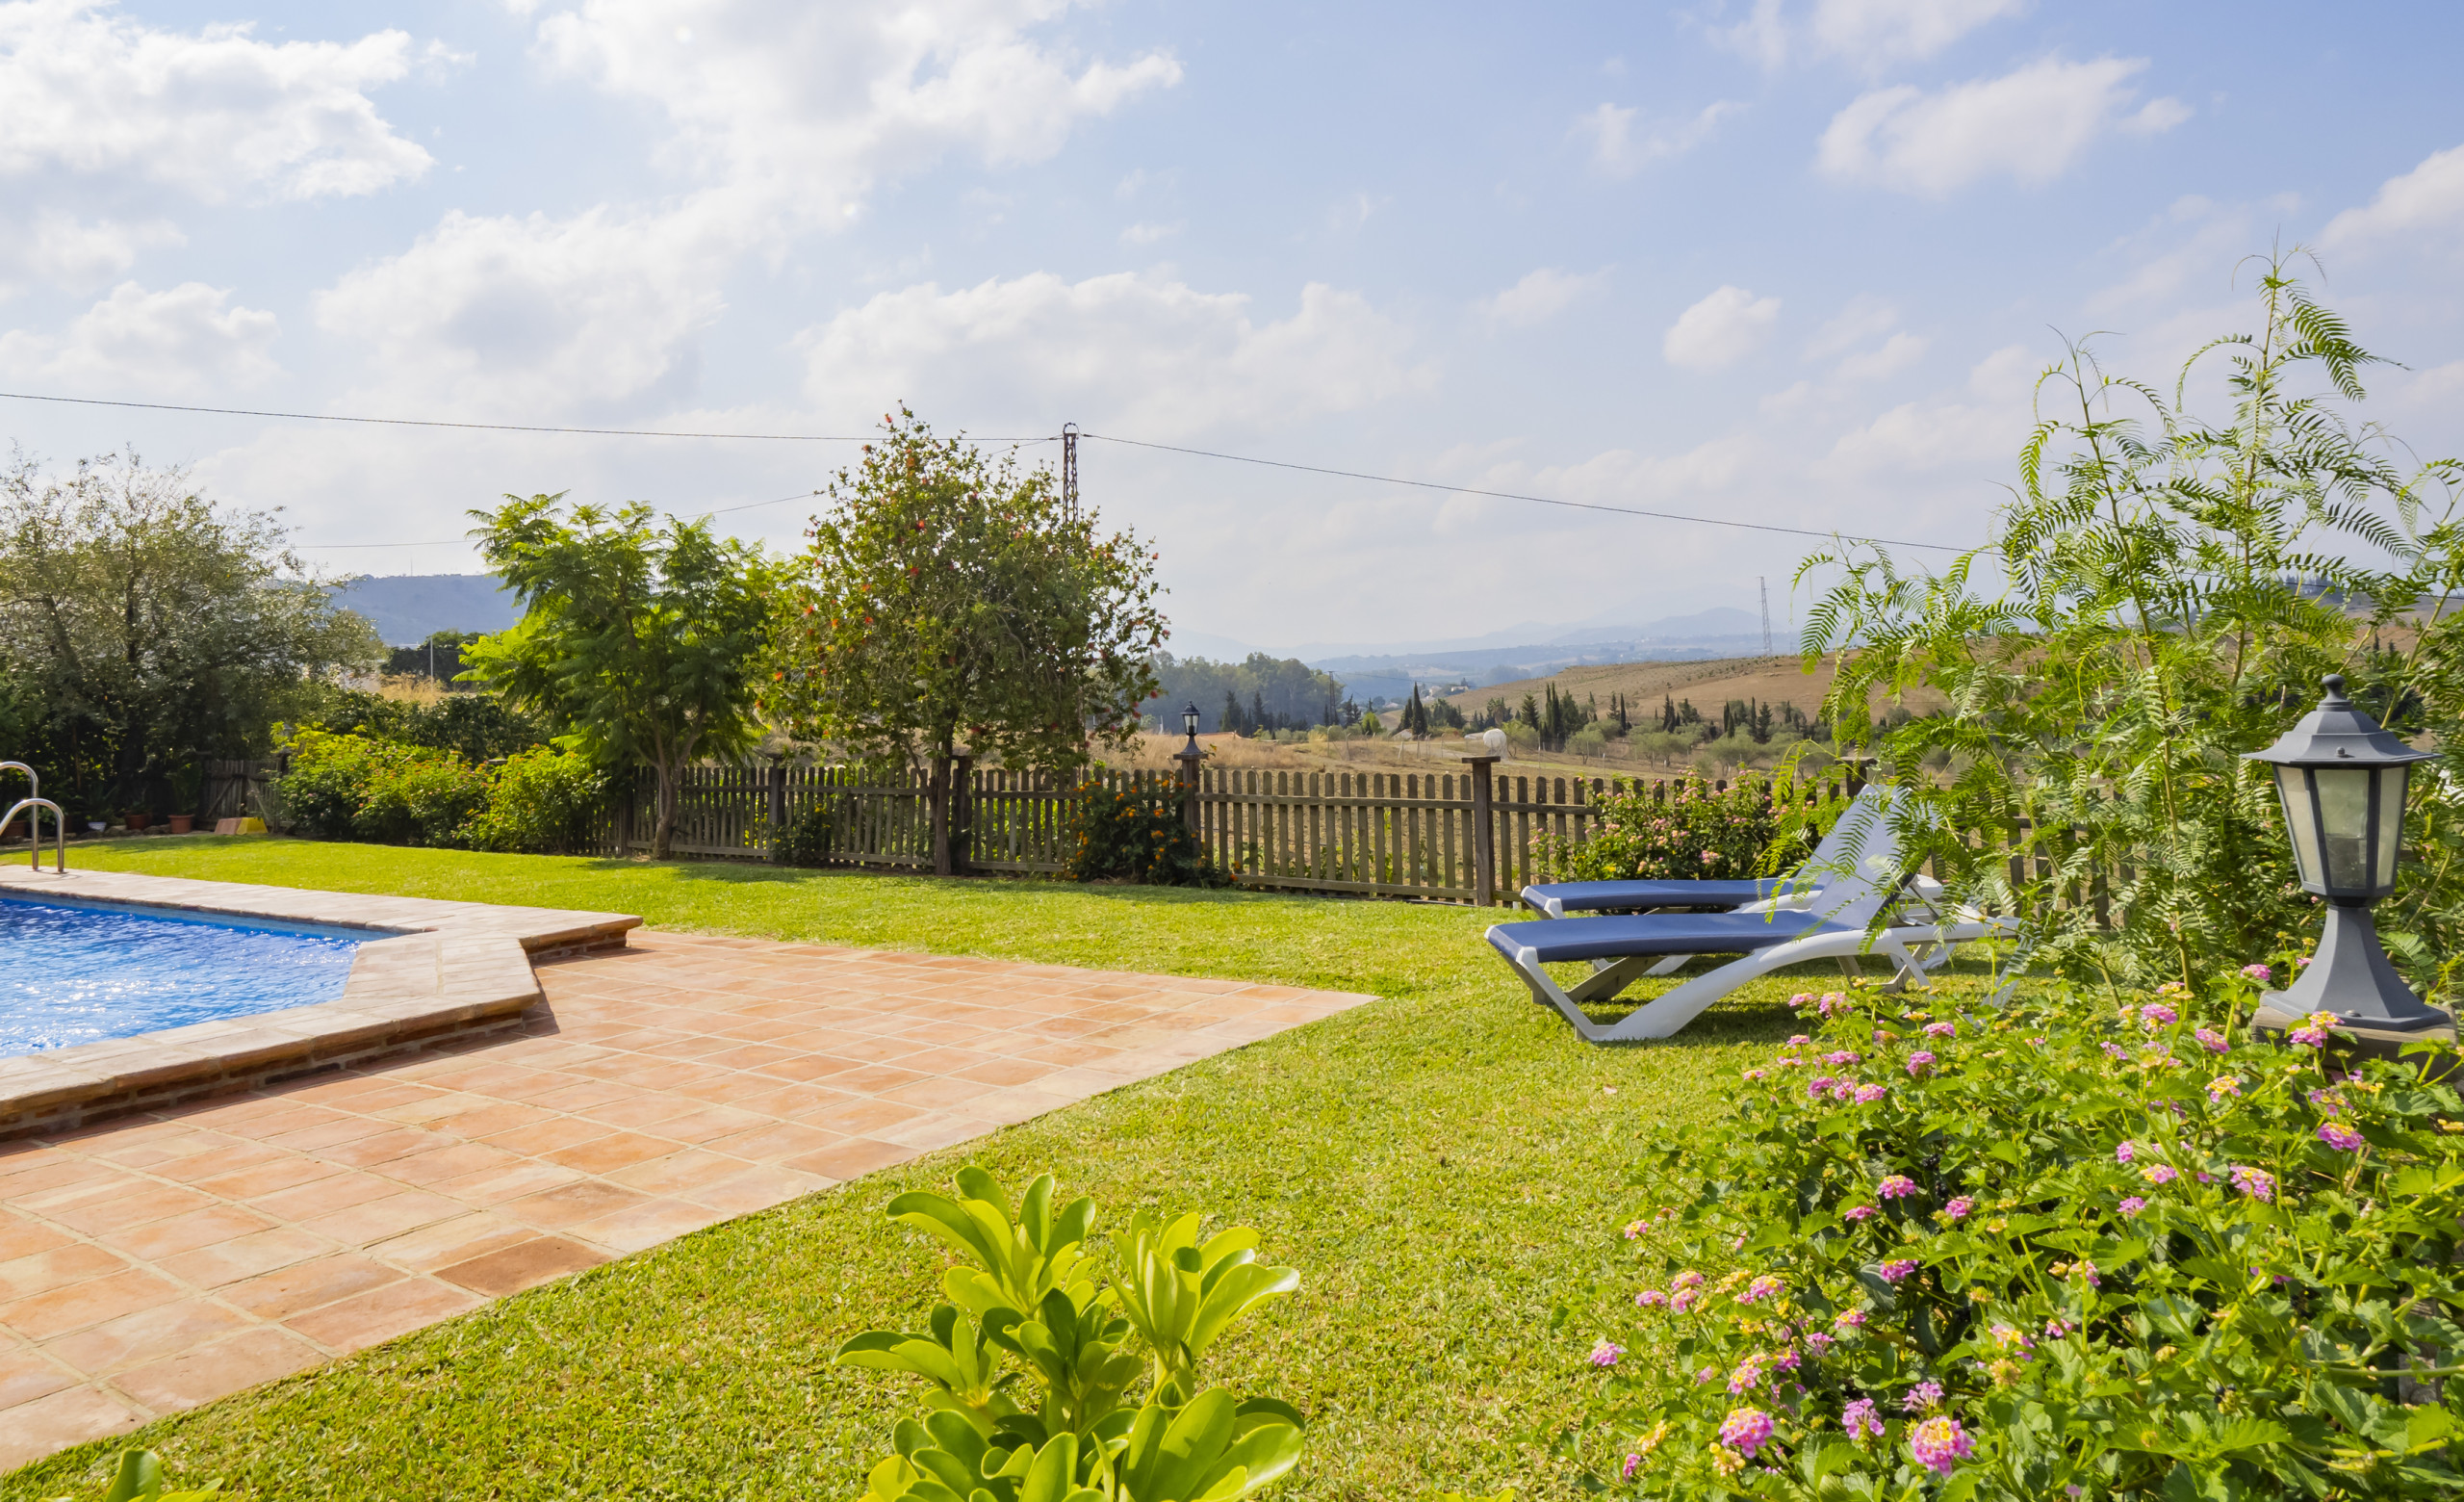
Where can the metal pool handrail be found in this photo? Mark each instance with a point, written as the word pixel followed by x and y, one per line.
pixel 32 776
pixel 33 831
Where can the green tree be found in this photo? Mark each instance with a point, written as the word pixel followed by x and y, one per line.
pixel 143 628
pixel 947 600
pixel 644 641
pixel 2168 588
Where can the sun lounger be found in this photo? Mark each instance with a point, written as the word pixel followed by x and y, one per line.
pixel 1837 921
pixel 1558 899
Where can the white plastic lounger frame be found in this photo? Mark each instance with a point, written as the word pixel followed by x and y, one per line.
pixel 1848 905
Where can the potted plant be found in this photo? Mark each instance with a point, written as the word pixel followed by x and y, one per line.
pixel 182 824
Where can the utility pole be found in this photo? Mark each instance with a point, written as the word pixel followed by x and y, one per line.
pixel 1765 586
pixel 1069 470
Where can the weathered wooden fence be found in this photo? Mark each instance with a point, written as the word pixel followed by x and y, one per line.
pixel 1467 835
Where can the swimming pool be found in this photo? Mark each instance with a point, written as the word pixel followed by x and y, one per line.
pixel 72 973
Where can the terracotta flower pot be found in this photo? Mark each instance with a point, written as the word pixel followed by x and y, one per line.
pixel 181 824
pixel 138 822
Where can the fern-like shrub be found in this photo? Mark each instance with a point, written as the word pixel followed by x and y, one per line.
pixel 1030 1366
pixel 2070 1249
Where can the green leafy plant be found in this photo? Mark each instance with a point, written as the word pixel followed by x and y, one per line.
pixel 1137 834
pixel 2070 1249
pixel 2162 596
pixel 1029 1365
pixel 809 837
pixel 1685 829
pixel 540 802
pixel 357 787
pixel 138 1478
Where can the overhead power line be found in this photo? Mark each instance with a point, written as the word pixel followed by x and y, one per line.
pixel 493 427
pixel 447 542
pixel 1509 495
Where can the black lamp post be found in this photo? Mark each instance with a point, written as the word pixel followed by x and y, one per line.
pixel 1189 724
pixel 2343 777
pixel 1189 756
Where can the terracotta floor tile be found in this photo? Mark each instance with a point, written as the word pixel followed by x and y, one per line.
pixel 27 1373
pixel 153 1242
pixel 378 1219
pixel 523 1266
pixel 939 1129
pixel 452 1242
pixel 230 1261
pixel 647 1225
pixel 526 1175
pixel 605 1155
pixel 91 1302
pixel 34 1430
pixel 768 1143
pixel 377 1317
pixel 205 1373
pixel 542 1138
pixel 496 1116
pixel 938 1095
pixel 324 1196
pixel 1007 1072
pixel 289 1170
pixel 643 1112
pixel 308 1285
pixel 23 1237
pixel 856 1118
pixel 572 1205
pixel 146 1336
pixel 334 1129
pixel 459 1160
pixel 758 1189
pixel 132 1207
pixel 60 1174
pixel 852 1158
pixel 398 1142
pixel 680 1172
pixel 69 1262
pixel 230 1158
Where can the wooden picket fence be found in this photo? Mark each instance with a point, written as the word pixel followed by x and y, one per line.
pixel 1471 836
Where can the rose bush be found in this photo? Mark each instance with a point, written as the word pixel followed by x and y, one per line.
pixel 2065 1250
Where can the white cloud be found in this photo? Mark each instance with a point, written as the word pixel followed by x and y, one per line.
pixel 2030 124
pixel 1151 357
pixel 1869 34
pixel 1896 355
pixel 184 341
pixel 1865 317
pixel 559 316
pixel 1720 330
pixel 819 103
pixel 1616 150
pixel 1916 437
pixel 210 114
pixel 62 251
pixel 2427 200
pixel 1540 296
pixel 1145 233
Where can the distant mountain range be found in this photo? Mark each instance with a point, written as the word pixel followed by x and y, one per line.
pixel 407 608
pixel 1389 669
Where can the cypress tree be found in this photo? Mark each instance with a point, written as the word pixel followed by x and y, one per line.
pixel 1231 720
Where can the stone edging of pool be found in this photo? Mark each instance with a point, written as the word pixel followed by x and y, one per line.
pixel 440 967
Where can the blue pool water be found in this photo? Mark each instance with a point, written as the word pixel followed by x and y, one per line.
pixel 71 974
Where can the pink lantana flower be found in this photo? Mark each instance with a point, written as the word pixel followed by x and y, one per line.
pixel 1939 1444
pixel 1959 1208
pixel 2341 1138
pixel 1919 1062
pixel 1898 1186
pixel 1897 1270
pixel 1745 1430
pixel 1606 1352
pixel 1859 1212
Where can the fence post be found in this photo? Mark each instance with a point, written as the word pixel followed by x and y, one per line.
pixel 962 812
pixel 1187 777
pixel 777 807
pixel 1484 835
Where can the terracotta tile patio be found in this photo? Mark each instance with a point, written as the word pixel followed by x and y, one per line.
pixel 157 1262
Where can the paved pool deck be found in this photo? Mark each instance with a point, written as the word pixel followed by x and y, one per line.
pixel 164 1259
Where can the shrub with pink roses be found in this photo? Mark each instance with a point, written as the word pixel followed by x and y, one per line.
pixel 2057 1261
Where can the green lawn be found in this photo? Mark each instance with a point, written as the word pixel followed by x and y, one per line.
pixel 1447 1167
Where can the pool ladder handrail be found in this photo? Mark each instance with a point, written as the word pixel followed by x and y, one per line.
pixel 34 824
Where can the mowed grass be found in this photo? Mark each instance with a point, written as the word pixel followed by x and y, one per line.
pixel 1448 1168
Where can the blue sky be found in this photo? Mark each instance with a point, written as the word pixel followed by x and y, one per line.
pixel 1790 263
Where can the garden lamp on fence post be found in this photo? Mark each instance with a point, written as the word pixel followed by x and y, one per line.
pixel 1188 755
pixel 2343 777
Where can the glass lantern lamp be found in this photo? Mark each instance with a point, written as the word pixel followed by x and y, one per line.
pixel 2343 778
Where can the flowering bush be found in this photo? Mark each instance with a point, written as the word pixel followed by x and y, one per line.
pixel 1137 836
pixel 1692 830
pixel 2077 1251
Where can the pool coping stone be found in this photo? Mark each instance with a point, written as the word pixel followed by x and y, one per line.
pixel 438 967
